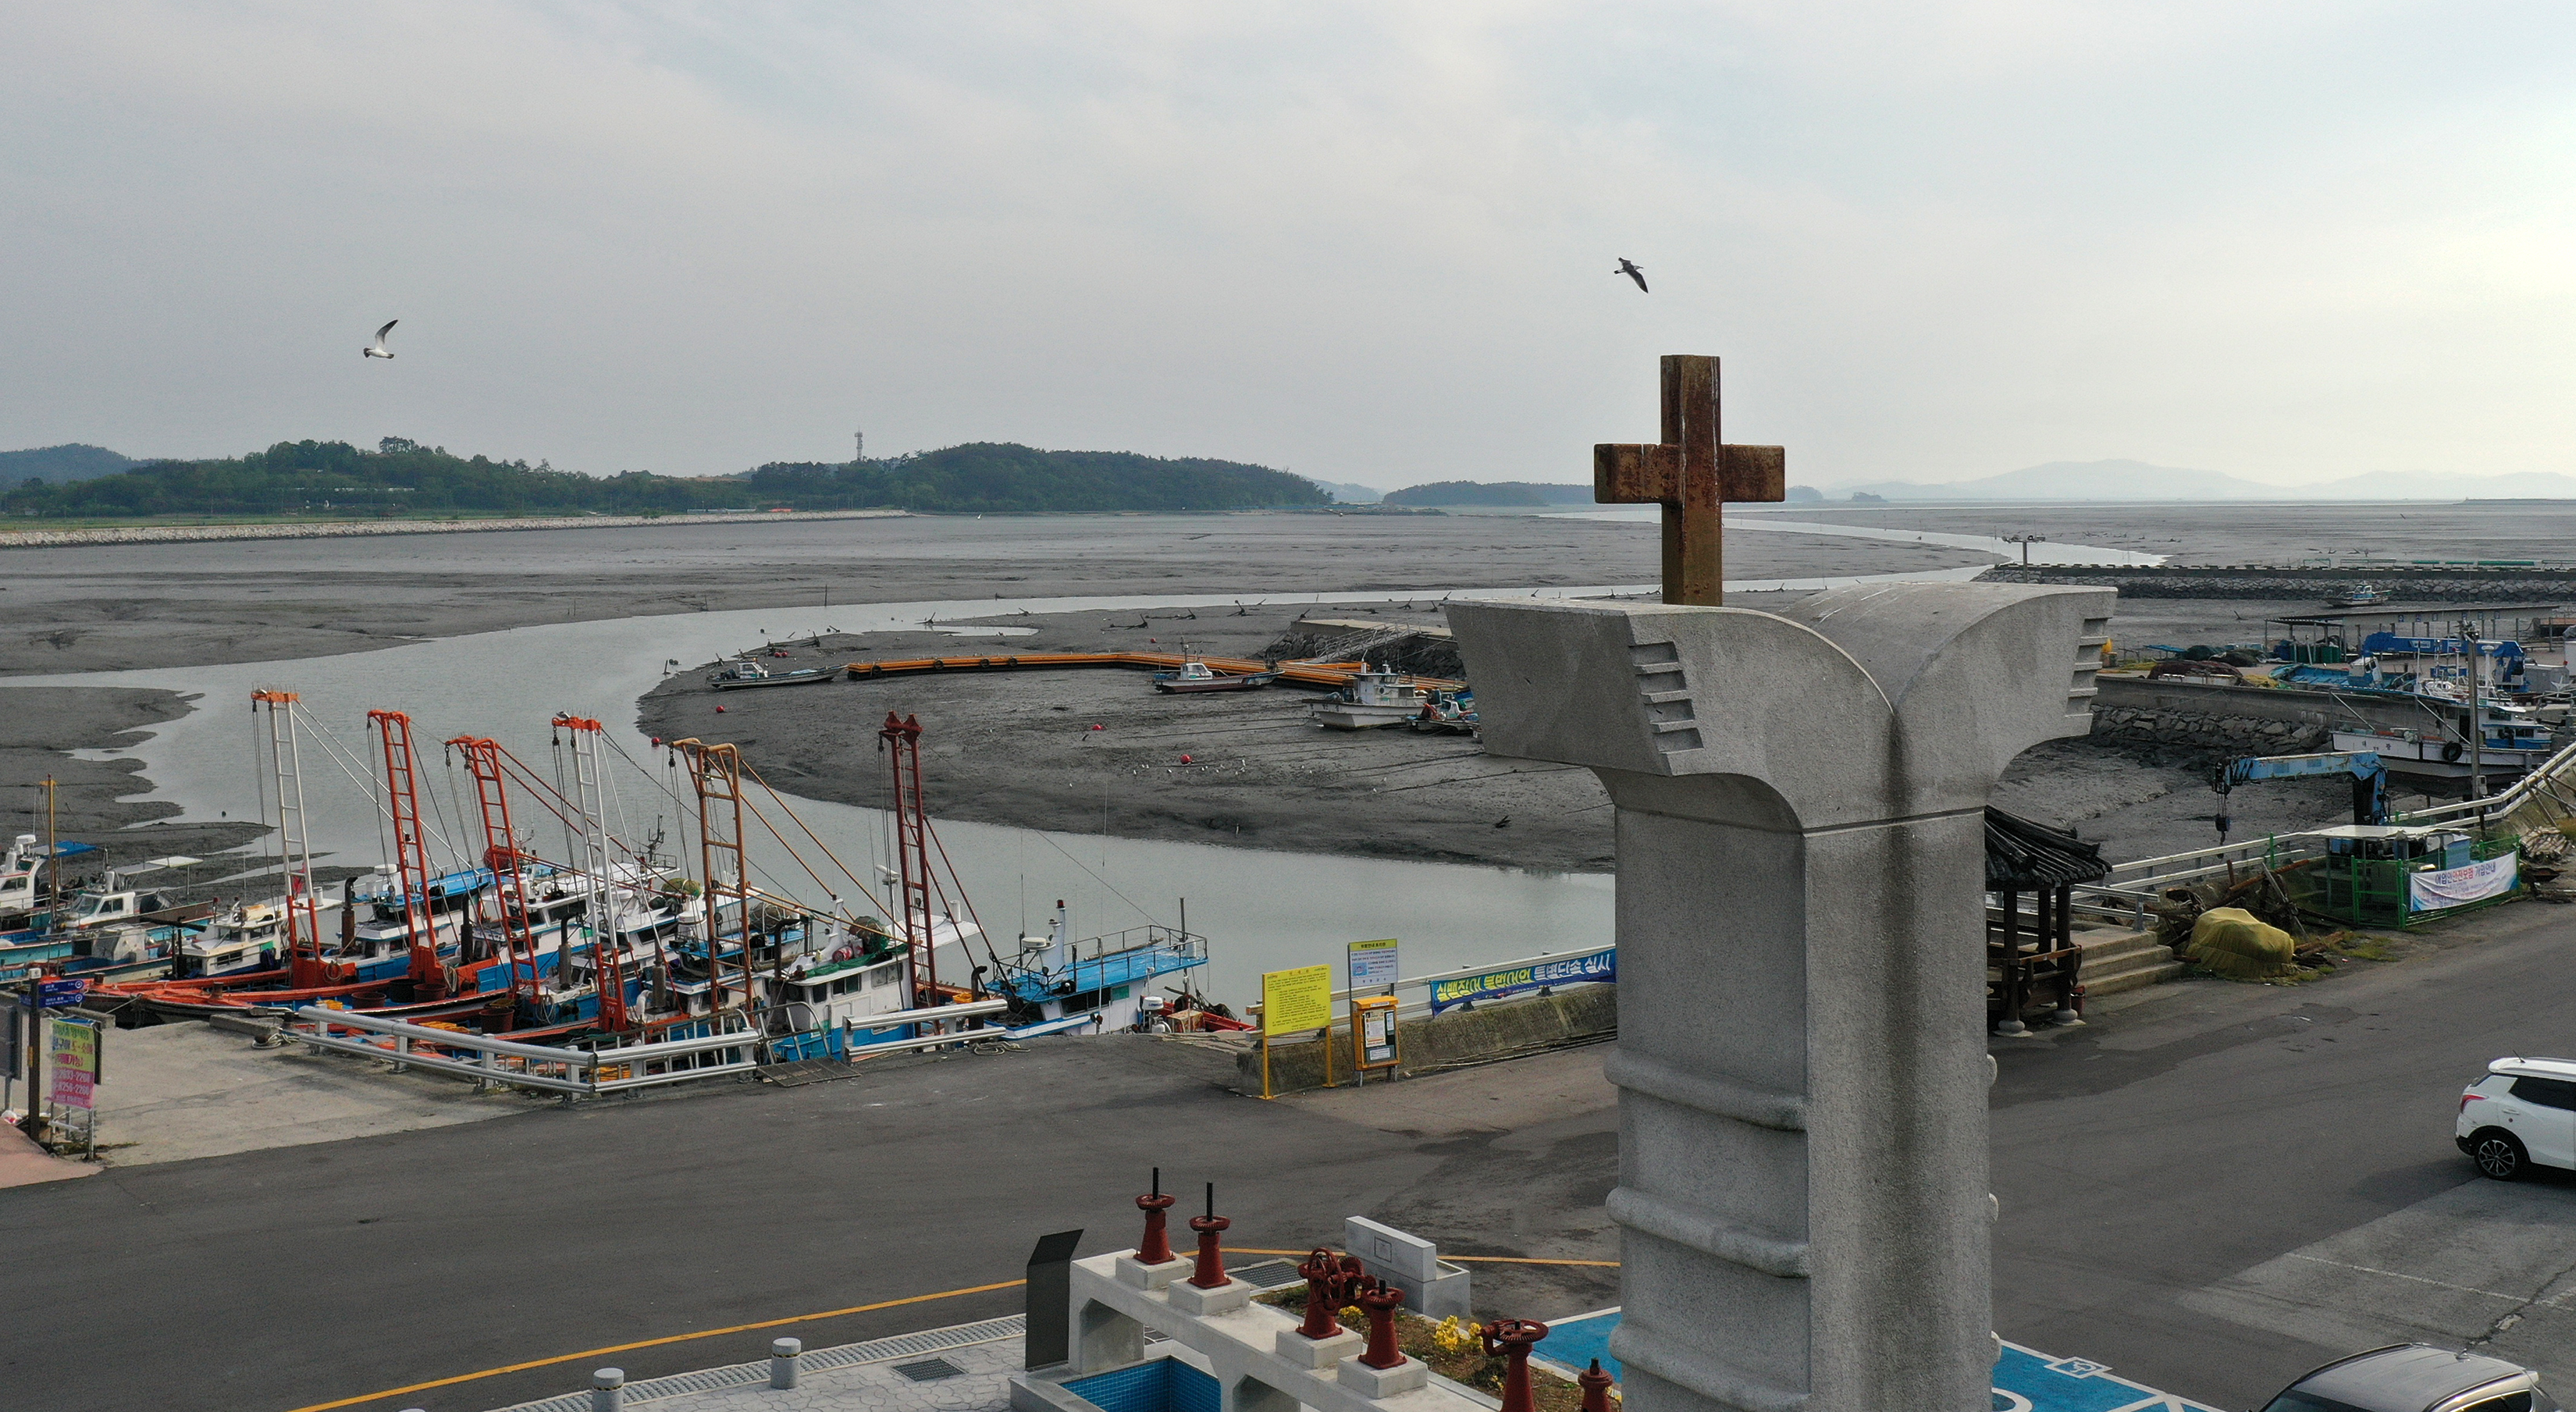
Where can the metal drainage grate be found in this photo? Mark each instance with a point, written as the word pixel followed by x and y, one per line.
pixel 929 1370
pixel 1268 1274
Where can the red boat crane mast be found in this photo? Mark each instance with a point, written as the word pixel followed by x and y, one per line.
pixel 902 743
pixel 502 854
pixel 411 852
pixel 716 771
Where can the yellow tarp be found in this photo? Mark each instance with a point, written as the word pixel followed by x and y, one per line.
pixel 2241 946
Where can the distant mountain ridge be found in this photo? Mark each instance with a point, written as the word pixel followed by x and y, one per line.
pixel 2139 480
pixel 53 465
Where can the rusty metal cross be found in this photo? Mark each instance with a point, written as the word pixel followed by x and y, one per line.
pixel 1691 474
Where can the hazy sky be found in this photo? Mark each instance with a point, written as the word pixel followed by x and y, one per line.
pixel 1368 242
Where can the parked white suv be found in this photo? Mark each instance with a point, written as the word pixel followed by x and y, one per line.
pixel 2521 1115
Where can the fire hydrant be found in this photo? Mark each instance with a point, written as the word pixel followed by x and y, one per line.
pixel 1513 1338
pixel 1380 1300
pixel 1156 1248
pixel 1211 1268
pixel 1596 1388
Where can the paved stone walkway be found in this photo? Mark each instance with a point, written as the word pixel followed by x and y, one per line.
pixel 849 1378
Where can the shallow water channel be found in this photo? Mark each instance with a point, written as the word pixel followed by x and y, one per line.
pixel 1261 910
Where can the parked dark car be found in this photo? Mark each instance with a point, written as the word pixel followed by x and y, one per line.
pixel 2415 1377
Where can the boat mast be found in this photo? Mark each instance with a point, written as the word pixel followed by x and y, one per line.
pixel 901 740
pixel 411 852
pixel 502 854
pixel 608 965
pixel 716 771
pixel 294 842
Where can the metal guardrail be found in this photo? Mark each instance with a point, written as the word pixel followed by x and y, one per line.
pixel 576 1072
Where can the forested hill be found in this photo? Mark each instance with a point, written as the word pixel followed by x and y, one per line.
pixel 400 478
pixel 71 461
pixel 1501 492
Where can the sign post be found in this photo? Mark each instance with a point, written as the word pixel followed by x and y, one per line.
pixel 1372 966
pixel 1291 1003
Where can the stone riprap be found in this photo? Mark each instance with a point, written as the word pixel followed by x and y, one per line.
pixel 337 529
pixel 2407 585
pixel 2209 730
pixel 1806 1224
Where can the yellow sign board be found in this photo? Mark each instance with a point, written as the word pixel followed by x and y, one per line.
pixel 1296 1000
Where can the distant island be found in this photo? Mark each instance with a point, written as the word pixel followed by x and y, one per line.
pixel 401 477
pixel 1501 493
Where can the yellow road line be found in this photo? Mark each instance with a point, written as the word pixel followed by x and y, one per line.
pixel 655 1342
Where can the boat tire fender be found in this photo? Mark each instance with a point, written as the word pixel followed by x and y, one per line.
pixel 2452 751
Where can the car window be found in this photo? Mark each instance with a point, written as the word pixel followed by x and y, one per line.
pixel 2295 1401
pixel 2517 1402
pixel 2548 1093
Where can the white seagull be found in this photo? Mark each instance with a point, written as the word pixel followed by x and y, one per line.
pixel 377 349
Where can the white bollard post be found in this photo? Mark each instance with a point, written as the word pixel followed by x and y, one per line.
pixel 608 1390
pixel 782 1361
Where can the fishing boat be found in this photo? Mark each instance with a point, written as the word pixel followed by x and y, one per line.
pixel 1196 676
pixel 26 881
pixel 1447 712
pixel 743 674
pixel 114 898
pixel 2511 744
pixel 1376 696
pixel 1057 985
pixel 2360 595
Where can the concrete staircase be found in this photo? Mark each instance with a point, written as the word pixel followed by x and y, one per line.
pixel 2118 960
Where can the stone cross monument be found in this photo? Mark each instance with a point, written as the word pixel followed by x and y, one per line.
pixel 1800 802
pixel 1692 475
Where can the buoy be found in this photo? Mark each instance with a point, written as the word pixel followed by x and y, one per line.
pixel 1185 759
pixel 720 710
pixel 1095 726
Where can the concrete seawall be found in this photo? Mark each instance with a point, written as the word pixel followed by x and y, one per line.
pixel 336 529
pixel 1493 1030
pixel 2405 584
pixel 2245 720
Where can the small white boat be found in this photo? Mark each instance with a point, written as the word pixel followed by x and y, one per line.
pixel 2511 745
pixel 1378 696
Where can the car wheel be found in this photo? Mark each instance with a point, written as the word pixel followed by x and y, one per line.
pixel 2498 1155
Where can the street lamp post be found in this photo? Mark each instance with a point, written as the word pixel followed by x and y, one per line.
pixel 2025 541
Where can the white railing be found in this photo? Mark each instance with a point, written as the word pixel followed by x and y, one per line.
pixel 578 1072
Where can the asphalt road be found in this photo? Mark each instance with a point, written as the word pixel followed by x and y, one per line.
pixel 2227 1185
pixel 301 1275
pixel 2210 1191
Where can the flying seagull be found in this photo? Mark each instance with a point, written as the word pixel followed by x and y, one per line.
pixel 1627 267
pixel 377 349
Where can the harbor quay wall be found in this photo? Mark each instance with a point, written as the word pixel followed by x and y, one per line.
pixel 2242 720
pixel 338 529
pixel 2401 583
pixel 1494 1029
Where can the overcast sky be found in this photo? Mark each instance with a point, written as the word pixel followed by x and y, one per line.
pixel 1368 242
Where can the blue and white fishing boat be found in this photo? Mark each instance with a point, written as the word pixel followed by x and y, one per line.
pixel 1059 985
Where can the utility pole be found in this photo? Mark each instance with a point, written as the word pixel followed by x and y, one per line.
pixel 2025 541
pixel 2477 723
pixel 859 451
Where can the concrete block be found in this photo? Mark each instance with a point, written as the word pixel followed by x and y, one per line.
pixel 1190 1299
pixel 1390 1252
pixel 1136 1274
pixel 1319 1352
pixel 1383 1382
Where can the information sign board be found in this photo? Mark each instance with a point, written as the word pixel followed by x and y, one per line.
pixel 71 1055
pixel 1373 1030
pixel 1292 1001
pixel 1372 965
pixel 53 995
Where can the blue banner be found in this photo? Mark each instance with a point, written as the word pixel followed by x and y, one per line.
pixel 1600 965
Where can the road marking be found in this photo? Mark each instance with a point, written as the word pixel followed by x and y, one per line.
pixel 654 1343
pixel 2419 1279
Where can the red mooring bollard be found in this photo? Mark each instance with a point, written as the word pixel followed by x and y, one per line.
pixel 1329 1281
pixel 1596 1388
pixel 1211 1271
pixel 1380 1300
pixel 1513 1337
pixel 1156 1248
